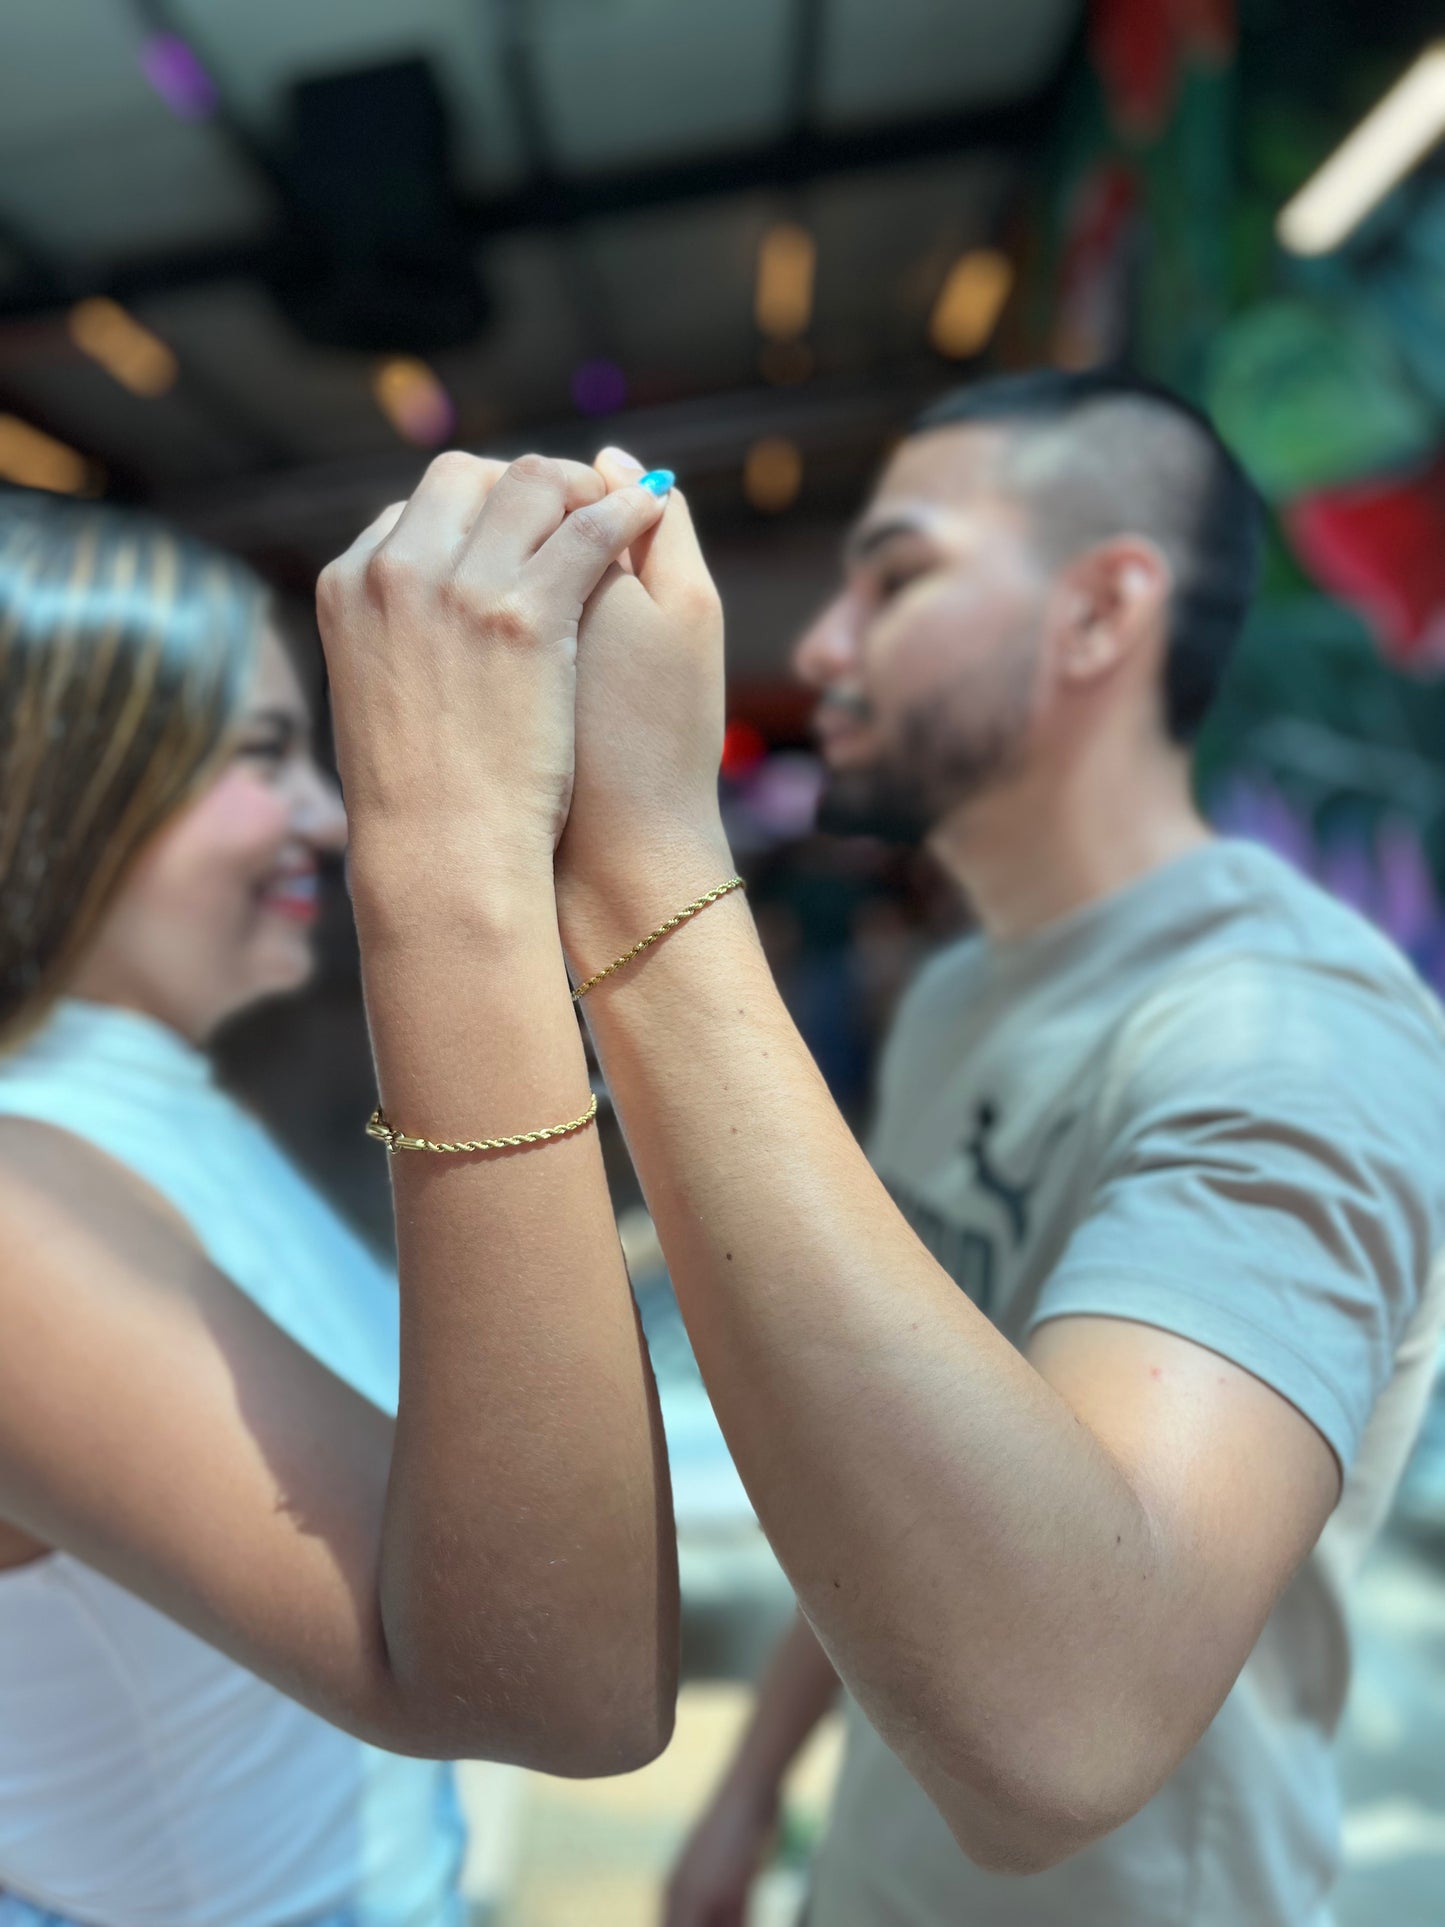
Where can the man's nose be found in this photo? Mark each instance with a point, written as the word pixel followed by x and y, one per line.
pixel 828 650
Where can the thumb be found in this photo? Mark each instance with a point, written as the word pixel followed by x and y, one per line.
pixel 668 556
pixel 618 469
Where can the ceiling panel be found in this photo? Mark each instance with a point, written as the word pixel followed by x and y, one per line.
pixel 91 160
pixel 259 47
pixel 153 183
pixel 885 243
pixel 232 336
pixel 520 370
pixel 674 292
pixel 171 441
pixel 936 56
pixel 626 80
pixel 66 65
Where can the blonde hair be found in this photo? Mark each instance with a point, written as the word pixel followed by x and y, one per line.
pixel 126 651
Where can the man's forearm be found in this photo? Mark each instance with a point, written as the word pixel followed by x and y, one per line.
pixel 795 1692
pixel 529 1484
pixel 975 1564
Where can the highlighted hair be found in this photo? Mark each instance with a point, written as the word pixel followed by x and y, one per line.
pixel 126 652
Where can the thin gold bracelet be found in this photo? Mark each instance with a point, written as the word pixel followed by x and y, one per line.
pixel 654 936
pixel 395 1141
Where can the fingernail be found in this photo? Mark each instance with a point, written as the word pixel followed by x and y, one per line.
pixel 657 481
pixel 619 458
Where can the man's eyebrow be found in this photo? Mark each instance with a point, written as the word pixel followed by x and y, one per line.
pixel 865 541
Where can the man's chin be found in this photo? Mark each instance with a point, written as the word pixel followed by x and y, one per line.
pixel 870 803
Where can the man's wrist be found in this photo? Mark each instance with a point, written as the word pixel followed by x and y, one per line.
pixel 608 905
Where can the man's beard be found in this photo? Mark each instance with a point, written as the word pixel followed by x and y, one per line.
pixel 876 802
pixel 938 769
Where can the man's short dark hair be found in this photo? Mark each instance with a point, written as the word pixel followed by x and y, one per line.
pixel 1101 454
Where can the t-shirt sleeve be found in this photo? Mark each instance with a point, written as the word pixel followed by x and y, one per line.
pixel 1271 1143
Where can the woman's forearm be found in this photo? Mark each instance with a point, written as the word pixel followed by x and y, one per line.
pixel 528 1566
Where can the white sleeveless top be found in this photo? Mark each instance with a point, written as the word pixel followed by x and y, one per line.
pixel 143 1776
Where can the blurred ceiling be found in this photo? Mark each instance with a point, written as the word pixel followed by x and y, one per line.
pixel 579 220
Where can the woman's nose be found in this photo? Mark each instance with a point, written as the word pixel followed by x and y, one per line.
pixel 320 813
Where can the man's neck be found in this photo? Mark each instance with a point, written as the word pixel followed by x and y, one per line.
pixel 1034 851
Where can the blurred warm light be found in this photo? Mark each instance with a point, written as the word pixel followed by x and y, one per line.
pixel 413 401
pixel 785 363
pixel 34 460
pixel 773 474
pixel 744 747
pixel 970 303
pixel 136 358
pixel 1376 157
pixel 783 301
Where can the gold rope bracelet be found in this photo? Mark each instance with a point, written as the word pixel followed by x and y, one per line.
pixel 394 1140
pixel 655 936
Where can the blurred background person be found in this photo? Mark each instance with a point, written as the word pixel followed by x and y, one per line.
pixel 202 1360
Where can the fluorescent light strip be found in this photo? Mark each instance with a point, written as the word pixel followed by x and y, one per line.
pixel 1376 157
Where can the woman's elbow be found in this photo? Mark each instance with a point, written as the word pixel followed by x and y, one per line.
pixel 586 1734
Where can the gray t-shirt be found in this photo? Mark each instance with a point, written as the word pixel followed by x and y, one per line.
pixel 1215 1104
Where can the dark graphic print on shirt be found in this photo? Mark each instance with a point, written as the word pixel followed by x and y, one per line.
pixel 995 1207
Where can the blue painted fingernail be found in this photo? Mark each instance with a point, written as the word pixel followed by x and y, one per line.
pixel 657 481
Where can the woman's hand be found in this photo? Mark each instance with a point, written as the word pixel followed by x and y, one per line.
pixel 450 629
pixel 645 833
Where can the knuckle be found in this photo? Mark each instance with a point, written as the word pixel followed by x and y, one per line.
pixel 700 601
pixel 453 465
pixel 509 619
pixel 540 470
pixel 388 573
pixel 330 588
pixel 593 527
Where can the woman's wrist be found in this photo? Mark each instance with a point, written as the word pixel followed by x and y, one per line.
pixel 468 879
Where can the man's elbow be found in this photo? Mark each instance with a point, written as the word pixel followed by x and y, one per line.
pixel 1030 1836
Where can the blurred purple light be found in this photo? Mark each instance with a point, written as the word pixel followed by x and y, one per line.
pixel 178 77
pixel 599 387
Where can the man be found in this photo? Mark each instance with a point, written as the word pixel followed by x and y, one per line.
pixel 1048 1446
pixel 1170 1085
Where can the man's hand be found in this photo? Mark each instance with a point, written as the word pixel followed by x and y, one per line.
pixel 450 629
pixel 724 1855
pixel 645 833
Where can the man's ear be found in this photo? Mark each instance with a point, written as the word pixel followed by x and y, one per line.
pixel 1111 601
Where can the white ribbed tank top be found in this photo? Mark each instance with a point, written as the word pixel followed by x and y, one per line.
pixel 146 1780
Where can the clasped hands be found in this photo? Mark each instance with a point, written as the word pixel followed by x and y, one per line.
pixel 527 682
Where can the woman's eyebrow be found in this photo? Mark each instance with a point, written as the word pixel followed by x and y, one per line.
pixel 286 722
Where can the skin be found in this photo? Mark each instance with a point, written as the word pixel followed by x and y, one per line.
pixel 1123 1507
pixel 493 1574
pixel 220 909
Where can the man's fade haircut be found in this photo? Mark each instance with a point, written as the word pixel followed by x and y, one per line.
pixel 1101 454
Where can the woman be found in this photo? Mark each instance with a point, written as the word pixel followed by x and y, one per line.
pixel 232 1588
